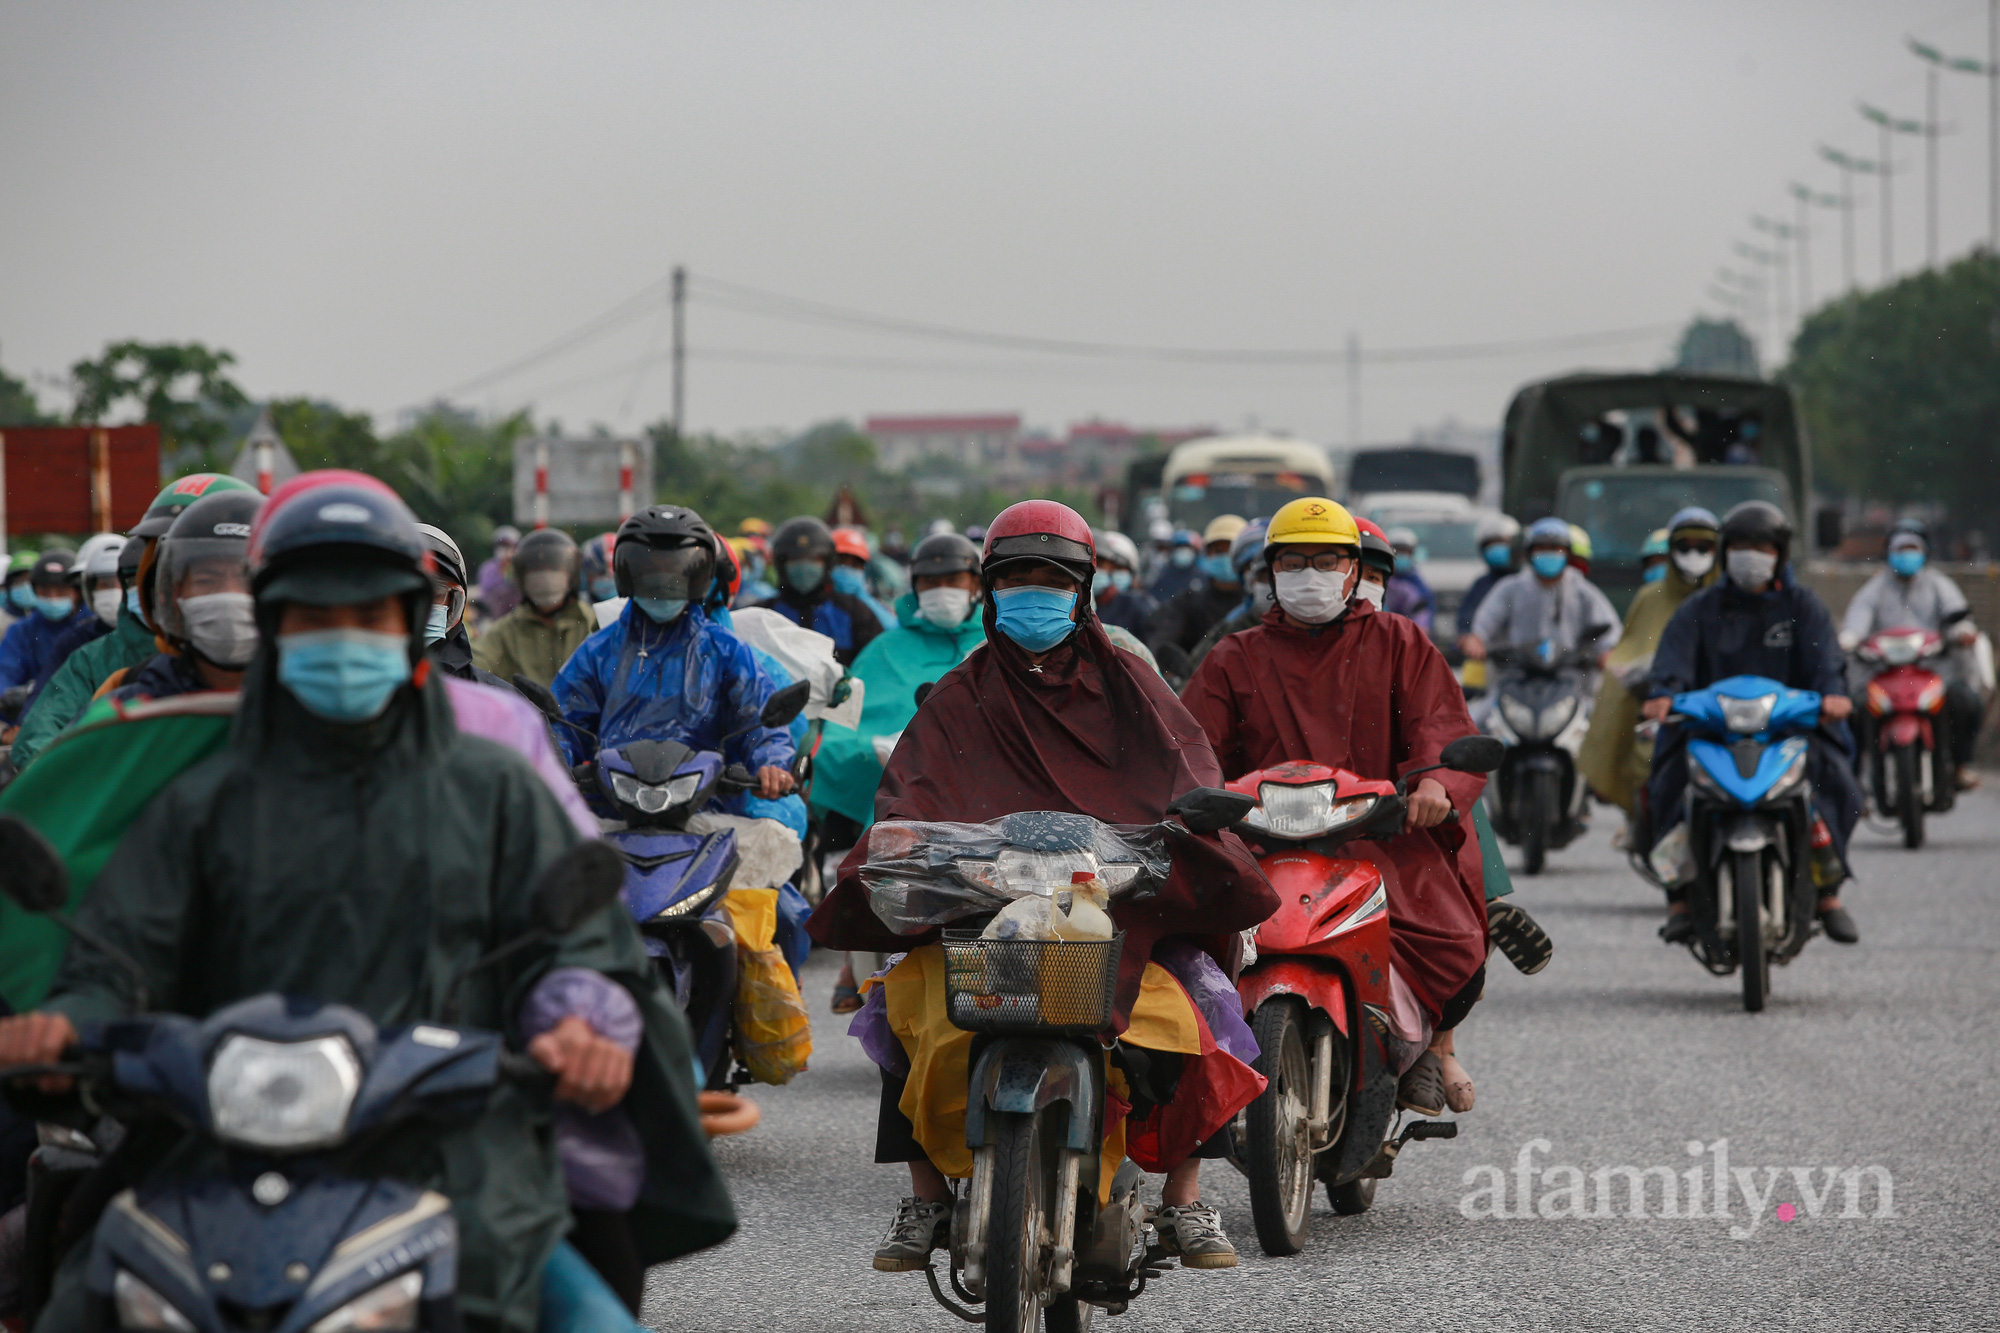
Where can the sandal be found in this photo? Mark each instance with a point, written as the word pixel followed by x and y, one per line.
pixel 1518 935
pixel 846 999
pixel 1422 1086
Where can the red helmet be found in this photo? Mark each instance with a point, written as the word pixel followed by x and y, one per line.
pixel 1041 530
pixel 728 576
pixel 850 542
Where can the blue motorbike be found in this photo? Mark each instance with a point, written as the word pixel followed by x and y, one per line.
pixel 294 1229
pixel 676 880
pixel 1750 826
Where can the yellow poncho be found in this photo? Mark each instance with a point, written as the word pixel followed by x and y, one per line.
pixel 1614 761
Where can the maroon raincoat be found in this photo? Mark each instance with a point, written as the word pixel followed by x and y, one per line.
pixel 1372 694
pixel 1094 731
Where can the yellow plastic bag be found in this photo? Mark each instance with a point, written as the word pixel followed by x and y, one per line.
pixel 773 1030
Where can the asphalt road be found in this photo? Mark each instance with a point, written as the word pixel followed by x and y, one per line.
pixel 1622 1053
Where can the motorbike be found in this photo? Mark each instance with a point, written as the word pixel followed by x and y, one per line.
pixel 290 1231
pixel 1317 993
pixel 1905 756
pixel 1029 1240
pixel 676 880
pixel 1540 709
pixel 1750 829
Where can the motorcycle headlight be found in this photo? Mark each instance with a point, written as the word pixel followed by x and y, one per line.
pixel 1304 811
pixel 1704 780
pixel 140 1307
pixel 389 1308
pixel 1024 871
pixel 1900 649
pixel 1747 716
pixel 652 800
pixel 1556 716
pixel 282 1095
pixel 1795 770
pixel 1519 716
pixel 692 905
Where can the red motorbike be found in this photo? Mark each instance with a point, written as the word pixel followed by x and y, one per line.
pixel 1317 995
pixel 1906 756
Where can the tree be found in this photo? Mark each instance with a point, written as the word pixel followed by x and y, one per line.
pixel 1900 390
pixel 17 404
pixel 1717 347
pixel 182 388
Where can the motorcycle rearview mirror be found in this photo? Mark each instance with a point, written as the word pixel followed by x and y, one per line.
pixel 1174 660
pixel 538 694
pixel 1210 809
pixel 1473 754
pixel 34 876
pixel 786 704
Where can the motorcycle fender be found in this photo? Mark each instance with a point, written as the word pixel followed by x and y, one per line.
pixel 1749 833
pixel 1538 760
pixel 1319 984
pixel 1025 1074
pixel 1905 729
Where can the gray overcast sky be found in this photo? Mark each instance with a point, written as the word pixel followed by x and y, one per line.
pixel 375 203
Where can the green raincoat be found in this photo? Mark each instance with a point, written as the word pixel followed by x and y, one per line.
pixel 916 652
pixel 1615 762
pixel 69 690
pixel 370 866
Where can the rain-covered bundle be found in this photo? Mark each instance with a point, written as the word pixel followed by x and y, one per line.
pixel 923 874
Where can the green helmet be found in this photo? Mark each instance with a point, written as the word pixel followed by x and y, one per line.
pixel 178 495
pixel 21 562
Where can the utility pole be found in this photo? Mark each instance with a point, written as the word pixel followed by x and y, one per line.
pixel 1889 125
pixel 1809 198
pixel 680 350
pixel 1354 388
pixel 1988 69
pixel 1781 232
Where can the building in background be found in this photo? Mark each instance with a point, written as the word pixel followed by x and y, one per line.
pixel 988 442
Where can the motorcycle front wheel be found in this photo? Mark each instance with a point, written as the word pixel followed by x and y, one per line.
pixel 1278 1153
pixel 1027 1152
pixel 1538 819
pixel 1910 794
pixel 1746 871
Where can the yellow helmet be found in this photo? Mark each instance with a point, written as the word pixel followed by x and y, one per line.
pixel 1312 521
pixel 1579 543
pixel 1222 528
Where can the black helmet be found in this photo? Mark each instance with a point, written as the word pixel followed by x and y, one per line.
pixel 1757 523
pixel 1377 552
pixel 214 531
pixel 52 567
pixel 802 538
pixel 552 553
pixel 129 556
pixel 945 553
pixel 331 537
pixel 665 552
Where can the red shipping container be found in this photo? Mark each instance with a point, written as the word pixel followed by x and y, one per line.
pixel 76 479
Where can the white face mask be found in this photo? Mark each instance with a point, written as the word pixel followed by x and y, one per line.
pixel 1312 596
pixel 222 626
pixel 106 601
pixel 1694 564
pixel 946 608
pixel 1370 593
pixel 1751 570
pixel 1262 597
pixel 546 588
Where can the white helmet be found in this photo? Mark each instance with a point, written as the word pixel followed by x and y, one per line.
pixel 1497 528
pixel 98 556
pixel 1118 549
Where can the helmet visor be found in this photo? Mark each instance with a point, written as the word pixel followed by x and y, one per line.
pixel 682 573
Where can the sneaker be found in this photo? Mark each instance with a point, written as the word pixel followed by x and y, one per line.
pixel 917 1229
pixel 1194 1232
pixel 1422 1086
pixel 1518 936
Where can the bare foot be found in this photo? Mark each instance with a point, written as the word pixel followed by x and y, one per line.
pixel 1457 1083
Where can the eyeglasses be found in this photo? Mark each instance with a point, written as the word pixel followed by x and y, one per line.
pixel 1326 562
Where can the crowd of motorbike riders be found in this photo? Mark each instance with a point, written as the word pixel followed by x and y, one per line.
pixel 382 783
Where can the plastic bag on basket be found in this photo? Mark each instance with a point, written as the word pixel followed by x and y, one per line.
pixel 924 874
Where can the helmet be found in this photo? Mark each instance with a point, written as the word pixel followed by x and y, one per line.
pixel 1119 549
pixel 1694 518
pixel 1247 547
pixel 753 527
pixel 597 556
pixel 849 542
pixel 1311 521
pixel 21 562
pixel 1550 532
pixel 976 533
pixel 212 538
pixel 1496 528
pixel 1904 532
pixel 506 535
pixel 802 538
pixel 1184 537
pixel 548 551
pixel 665 552
pixel 97 558
pixel 1221 528
pixel 129 556
pixel 1755 523
pixel 332 536
pixel 450 562
pixel 1402 538
pixel 944 553
pixel 52 568
pixel 1044 530
pixel 728 580
pixel 1656 544
pixel 178 495
pixel 1579 542
pixel 1375 549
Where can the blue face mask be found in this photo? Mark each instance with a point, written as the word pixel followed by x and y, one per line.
pixel 1034 617
pixel 55 608
pixel 1217 567
pixel 663 610
pixel 603 590
pixel 1121 579
pixel 1099 582
pixel 437 624
pixel 804 575
pixel 1405 564
pixel 1182 556
pixel 1654 573
pixel 132 602
pixel 343 675
pixel 22 596
pixel 1906 562
pixel 1549 564
pixel 1498 554
pixel 848 579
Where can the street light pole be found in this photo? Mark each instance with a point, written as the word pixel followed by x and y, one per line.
pixel 1848 166
pixel 680 349
pixel 1891 125
pixel 1988 69
pixel 1783 232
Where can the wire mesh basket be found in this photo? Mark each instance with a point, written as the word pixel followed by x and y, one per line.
pixel 1030 985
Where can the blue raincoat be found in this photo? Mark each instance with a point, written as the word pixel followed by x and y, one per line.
pixel 34 646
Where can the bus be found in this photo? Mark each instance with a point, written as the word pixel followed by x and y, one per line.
pixel 1246 475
